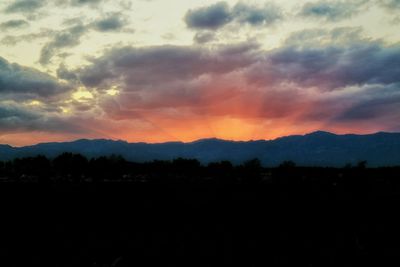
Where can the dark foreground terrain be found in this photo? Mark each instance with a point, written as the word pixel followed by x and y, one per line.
pixel 286 216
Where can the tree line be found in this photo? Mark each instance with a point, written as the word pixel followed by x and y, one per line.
pixel 70 167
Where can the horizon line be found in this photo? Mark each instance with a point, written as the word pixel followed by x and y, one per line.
pixel 201 139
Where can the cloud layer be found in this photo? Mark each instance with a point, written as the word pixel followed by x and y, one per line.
pixel 328 85
pixel 129 69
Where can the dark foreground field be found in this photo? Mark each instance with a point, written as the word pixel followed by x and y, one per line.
pixel 292 223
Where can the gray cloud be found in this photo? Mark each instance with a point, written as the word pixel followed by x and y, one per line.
pixel 112 22
pixel 18 118
pixel 160 64
pixel 322 37
pixel 391 4
pixel 330 67
pixel 18 82
pixel 14 39
pixel 25 6
pixel 78 3
pixel 19 86
pixel 211 17
pixel 69 37
pixel 75 30
pixel 332 10
pixel 14 24
pixel 204 37
pixel 65 74
pixel 218 15
pixel 268 14
pixel 374 102
pixel 84 2
pixel 171 76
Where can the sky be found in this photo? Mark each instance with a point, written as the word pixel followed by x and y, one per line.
pixel 174 70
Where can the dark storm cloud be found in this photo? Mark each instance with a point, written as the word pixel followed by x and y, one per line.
pixel 332 10
pixel 18 82
pixel 220 14
pixel 211 17
pixel 25 6
pixel 14 24
pixel 112 22
pixel 68 37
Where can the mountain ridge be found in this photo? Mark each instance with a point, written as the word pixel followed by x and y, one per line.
pixel 318 148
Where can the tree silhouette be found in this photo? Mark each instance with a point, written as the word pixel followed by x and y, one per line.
pixel 251 171
pixel 221 171
pixel 71 165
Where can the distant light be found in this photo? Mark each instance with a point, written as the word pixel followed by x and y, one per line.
pixel 112 91
pixel 82 95
pixel 65 110
pixel 35 103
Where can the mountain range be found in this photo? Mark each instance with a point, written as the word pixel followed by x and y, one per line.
pixel 313 149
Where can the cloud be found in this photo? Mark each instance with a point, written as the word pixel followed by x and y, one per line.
pixel 11 40
pixel 18 118
pixel 392 7
pixel 138 67
pixel 391 4
pixel 14 24
pixel 332 10
pixel 18 82
pixel 78 3
pixel 25 6
pixel 31 100
pixel 373 102
pixel 330 67
pixel 85 2
pixel 112 22
pixel 211 17
pixel 68 37
pixel 321 37
pixel 330 79
pixel 75 30
pixel 254 15
pixel 204 37
pixel 65 74
pixel 218 15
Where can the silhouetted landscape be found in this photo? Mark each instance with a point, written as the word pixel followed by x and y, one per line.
pixel 107 211
pixel 315 149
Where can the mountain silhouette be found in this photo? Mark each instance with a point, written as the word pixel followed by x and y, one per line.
pixel 314 149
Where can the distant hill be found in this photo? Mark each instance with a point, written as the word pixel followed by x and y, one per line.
pixel 314 149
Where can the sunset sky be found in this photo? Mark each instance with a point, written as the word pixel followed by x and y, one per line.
pixel 181 70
